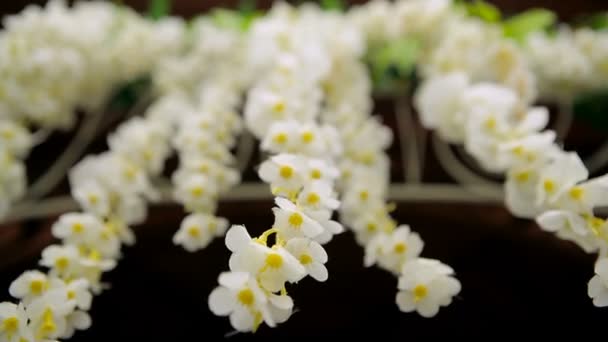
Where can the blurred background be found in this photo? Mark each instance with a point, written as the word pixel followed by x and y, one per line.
pixel 515 277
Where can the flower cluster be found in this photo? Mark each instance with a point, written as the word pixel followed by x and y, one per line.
pixel 51 66
pixel 282 109
pixel 424 284
pixel 112 189
pixel 206 133
pixel 505 136
pixel 568 62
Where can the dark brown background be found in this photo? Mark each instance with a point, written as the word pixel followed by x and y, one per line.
pixel 515 277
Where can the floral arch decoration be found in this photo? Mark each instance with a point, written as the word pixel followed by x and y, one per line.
pixel 302 78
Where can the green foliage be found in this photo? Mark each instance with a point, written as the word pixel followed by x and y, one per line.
pixel 158 9
pixel 333 5
pixel 598 21
pixel 393 64
pixel 519 26
pixel 127 95
pixel 482 10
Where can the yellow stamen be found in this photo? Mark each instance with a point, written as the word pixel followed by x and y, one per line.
pixel 364 195
pixel 312 198
pixel 194 231
pixel 280 138
pixel 400 248
pixel 286 171
pixel 77 227
pixel 523 176
pixel 62 263
pixel 308 137
pixel 197 191
pixel 296 220
pixel 420 292
pixel 315 174
pixel 576 193
pixel 274 260
pixel 549 185
pixel 10 325
pixel 279 107
pixel 371 227
pixel 37 286
pixel 305 259
pixel 71 294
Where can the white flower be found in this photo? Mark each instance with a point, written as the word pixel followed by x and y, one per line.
pixel 425 285
pixel 240 297
pixel 583 197
pixel 563 172
pixel 598 285
pixel 197 193
pixel 587 231
pixel 392 250
pixel 16 138
pixel 48 313
pixel 286 173
pixel 77 228
pixel 92 197
pixel 439 101
pixel 317 196
pixel 291 222
pixel 63 260
pixel 198 230
pixel 29 285
pixel 311 255
pixel 273 266
pixel 13 323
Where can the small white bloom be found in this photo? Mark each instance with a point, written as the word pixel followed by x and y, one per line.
pixel 311 255
pixel 286 173
pixel 198 230
pixel 598 285
pixel 291 222
pixel 29 285
pixel 64 261
pixel 240 297
pixel 425 285
pixel 392 250
pixel 13 323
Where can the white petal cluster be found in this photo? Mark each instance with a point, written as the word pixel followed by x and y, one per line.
pixel 206 130
pixel 282 110
pixel 364 182
pixel 505 135
pixel 113 189
pixel 568 62
pixel 51 66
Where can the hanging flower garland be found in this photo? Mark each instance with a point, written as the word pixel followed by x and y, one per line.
pixel 308 100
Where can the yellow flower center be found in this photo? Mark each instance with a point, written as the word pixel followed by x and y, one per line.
pixel 48 323
pixel 280 138
pixel 62 263
pixel 420 292
pixel 93 199
pixel 576 193
pixel 312 198
pixel 37 286
pixel 305 259
pixel 315 174
pixel 371 227
pixel 274 260
pixel 518 151
pixel 77 227
pixel 203 168
pixel 10 325
pixel 194 231
pixel 7 134
pixel 549 185
pixel 308 137
pixel 400 248
pixel 522 177
pixel 71 294
pixel 490 124
pixel 295 220
pixel 364 195
pixel 197 191
pixel 279 107
pixel 286 171
pixel 246 297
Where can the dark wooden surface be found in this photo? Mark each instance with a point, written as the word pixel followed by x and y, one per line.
pixel 514 276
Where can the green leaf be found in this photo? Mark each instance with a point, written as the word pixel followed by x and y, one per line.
pixel 234 20
pixel 593 108
pixel 597 21
pixel 393 64
pixel 126 95
pixel 520 26
pixel 333 5
pixel 483 10
pixel 158 9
